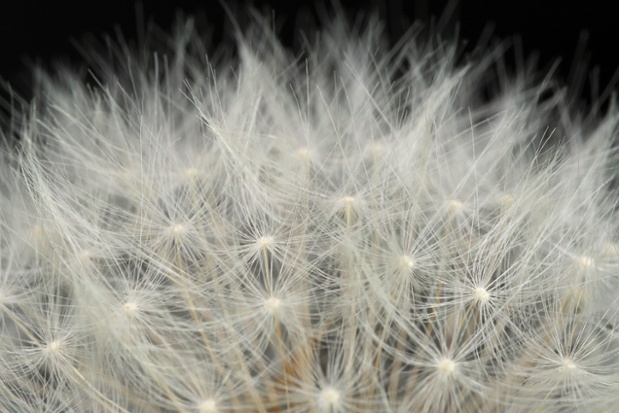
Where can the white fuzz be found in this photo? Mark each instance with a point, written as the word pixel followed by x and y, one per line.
pixel 481 294
pixel 360 230
pixel 272 304
pixel 329 398
pixel 208 406
pixel 446 366
pixel 406 262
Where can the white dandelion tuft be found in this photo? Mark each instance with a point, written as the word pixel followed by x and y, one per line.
pixel 361 230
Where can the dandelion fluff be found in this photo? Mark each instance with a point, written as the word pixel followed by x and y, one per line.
pixel 356 231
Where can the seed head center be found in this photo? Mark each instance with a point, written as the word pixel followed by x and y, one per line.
pixel 265 241
pixel 585 262
pixel 377 148
pixel 208 406
pixel 406 262
pixel 446 366
pixel 481 295
pixel 330 396
pixel 191 173
pixel 303 153
pixel 568 364
pixel 348 201
pixel 272 303
pixel 53 347
pixel 130 307
pixel 507 200
pixel 85 254
pixel 454 206
pixel 177 229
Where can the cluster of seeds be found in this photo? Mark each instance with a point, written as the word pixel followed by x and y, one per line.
pixel 358 230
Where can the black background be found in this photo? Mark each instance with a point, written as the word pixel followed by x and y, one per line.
pixel 42 31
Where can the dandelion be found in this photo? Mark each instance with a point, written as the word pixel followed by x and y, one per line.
pixel 360 231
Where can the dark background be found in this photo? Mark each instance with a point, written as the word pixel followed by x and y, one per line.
pixel 41 31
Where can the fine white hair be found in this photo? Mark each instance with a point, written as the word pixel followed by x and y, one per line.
pixel 363 229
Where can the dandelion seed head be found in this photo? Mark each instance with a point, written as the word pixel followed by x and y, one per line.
pixel 454 206
pixel 585 262
pixel 481 295
pixel 85 255
pixel 272 304
pixel 507 200
pixel 191 173
pixel 372 256
pixel 177 230
pixel 208 406
pixel 266 241
pixel 329 397
pixel 377 149
pixel 446 366
pixel 53 347
pixel 130 308
pixel 36 232
pixel 568 364
pixel 406 262
pixel 303 153
pixel 348 201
